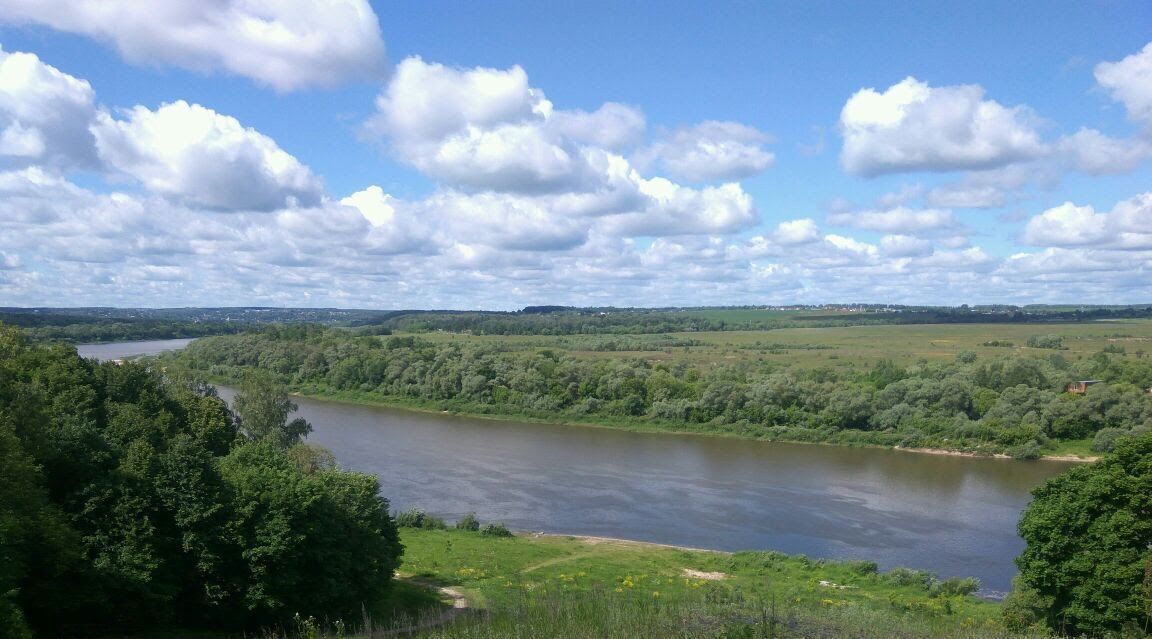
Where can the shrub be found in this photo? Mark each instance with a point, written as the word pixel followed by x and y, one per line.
pixel 495 530
pixel 955 586
pixel 901 576
pixel 468 522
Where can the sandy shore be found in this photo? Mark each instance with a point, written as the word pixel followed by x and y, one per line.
pixel 592 540
pixel 960 453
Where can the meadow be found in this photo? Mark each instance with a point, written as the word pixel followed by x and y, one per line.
pixel 533 585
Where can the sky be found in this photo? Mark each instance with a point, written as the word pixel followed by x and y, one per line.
pixel 498 154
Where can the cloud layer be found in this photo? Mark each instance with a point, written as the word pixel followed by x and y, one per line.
pixel 283 44
pixel 530 202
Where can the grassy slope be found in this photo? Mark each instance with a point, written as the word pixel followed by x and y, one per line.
pixel 554 586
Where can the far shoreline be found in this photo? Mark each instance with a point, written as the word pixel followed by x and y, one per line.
pixel 1063 458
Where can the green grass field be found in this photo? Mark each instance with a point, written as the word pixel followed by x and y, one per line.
pixel 855 346
pixel 555 586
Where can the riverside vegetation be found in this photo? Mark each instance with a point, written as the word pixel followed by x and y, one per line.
pixel 972 388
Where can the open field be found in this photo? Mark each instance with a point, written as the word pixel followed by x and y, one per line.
pixel 848 346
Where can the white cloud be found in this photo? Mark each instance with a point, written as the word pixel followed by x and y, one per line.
pixel 284 44
pixel 1129 82
pixel 502 221
pixel 612 126
pixel 904 246
pixel 900 220
pixel 1128 226
pixel 711 151
pixel 196 155
pixel 671 209
pixel 793 232
pixel 1094 153
pixel 914 127
pixel 44 115
pixel 478 128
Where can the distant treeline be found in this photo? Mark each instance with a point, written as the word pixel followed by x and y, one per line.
pixel 555 320
pixel 102 324
pixel 109 331
pixel 1011 403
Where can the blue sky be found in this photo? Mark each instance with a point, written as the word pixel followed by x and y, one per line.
pixel 499 154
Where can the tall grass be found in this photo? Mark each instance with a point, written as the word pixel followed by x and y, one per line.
pixel 598 615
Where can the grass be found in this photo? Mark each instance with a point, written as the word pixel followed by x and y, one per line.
pixel 557 587
pixel 554 586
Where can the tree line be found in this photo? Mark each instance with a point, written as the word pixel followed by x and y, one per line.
pixel 132 499
pixel 1010 403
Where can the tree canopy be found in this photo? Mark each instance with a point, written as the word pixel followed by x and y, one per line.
pixel 1087 567
pixel 129 500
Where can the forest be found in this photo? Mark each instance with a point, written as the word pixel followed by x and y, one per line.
pixel 133 500
pixel 1012 401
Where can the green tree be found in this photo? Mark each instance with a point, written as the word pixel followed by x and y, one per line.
pixel 262 410
pixel 1089 539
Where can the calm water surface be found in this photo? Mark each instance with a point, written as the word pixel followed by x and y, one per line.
pixel 951 515
pixel 120 350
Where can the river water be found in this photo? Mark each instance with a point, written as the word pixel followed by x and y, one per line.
pixel 953 515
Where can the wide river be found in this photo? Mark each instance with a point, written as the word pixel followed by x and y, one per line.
pixel 951 515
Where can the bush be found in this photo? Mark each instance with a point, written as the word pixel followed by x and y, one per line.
pixel 955 586
pixel 1046 341
pixel 495 530
pixel 901 576
pixel 1027 450
pixel 417 518
pixel 468 522
pixel 1023 607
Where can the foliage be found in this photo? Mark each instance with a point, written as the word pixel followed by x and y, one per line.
pixel 495 530
pixel 417 518
pixel 1046 341
pixel 1088 535
pixel 262 409
pixel 1005 403
pixel 468 522
pixel 128 501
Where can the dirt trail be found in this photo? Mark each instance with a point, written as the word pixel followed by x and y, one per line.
pixel 460 605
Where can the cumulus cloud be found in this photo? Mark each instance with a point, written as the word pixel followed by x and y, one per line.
pixel 44 115
pixel 900 220
pixel 904 246
pixel 612 126
pixel 1090 151
pixel 493 140
pixel 672 209
pixel 793 232
pixel 912 126
pixel 194 154
pixel 1128 226
pixel 1129 81
pixel 478 128
pixel 284 44
pixel 711 151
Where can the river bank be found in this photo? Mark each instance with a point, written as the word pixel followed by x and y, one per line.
pixel 646 426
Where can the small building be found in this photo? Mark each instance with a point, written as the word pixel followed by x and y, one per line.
pixel 1081 386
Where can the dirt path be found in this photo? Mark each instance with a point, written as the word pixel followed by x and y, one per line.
pixel 460 605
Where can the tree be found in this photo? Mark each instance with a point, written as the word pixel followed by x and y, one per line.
pixel 1089 543
pixel 262 408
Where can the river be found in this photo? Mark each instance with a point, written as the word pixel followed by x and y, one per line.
pixel 955 516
